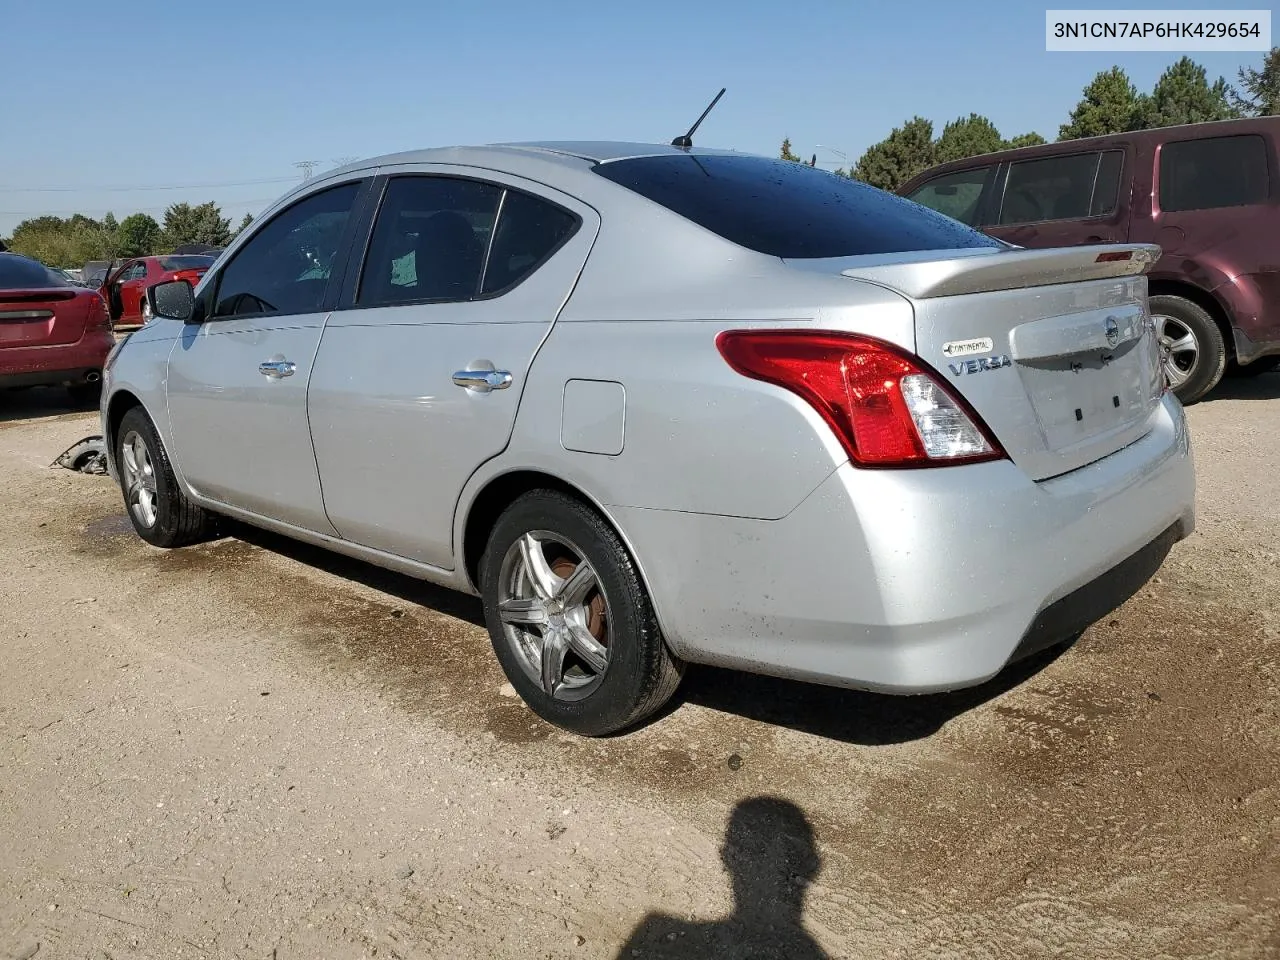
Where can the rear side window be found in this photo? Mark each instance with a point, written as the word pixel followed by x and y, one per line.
pixel 18 273
pixel 429 242
pixel 787 209
pixel 956 195
pixel 1214 172
pixel 529 231
pixel 1062 188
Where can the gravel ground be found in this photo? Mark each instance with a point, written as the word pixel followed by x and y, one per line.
pixel 252 749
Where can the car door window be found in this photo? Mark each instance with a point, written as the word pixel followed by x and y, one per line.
pixel 1054 188
pixel 430 241
pixel 955 194
pixel 285 267
pixel 136 272
pixel 1213 172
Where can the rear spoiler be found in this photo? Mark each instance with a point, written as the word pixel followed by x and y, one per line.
pixel 923 277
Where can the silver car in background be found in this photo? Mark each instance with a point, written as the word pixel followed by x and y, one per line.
pixel 659 405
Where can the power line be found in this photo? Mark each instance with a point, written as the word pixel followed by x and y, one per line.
pixel 174 186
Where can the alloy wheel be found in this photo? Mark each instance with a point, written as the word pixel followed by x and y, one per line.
pixel 1179 349
pixel 139 478
pixel 555 615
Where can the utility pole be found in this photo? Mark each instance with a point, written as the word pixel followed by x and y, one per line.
pixel 343 161
pixel 307 167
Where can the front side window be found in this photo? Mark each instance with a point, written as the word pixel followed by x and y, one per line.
pixel 137 271
pixel 1213 172
pixel 285 267
pixel 789 210
pixel 430 241
pixel 956 194
pixel 1060 188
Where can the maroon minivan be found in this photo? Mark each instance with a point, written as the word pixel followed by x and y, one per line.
pixel 1206 193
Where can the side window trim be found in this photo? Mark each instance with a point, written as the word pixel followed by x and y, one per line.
pixel 356 265
pixel 331 287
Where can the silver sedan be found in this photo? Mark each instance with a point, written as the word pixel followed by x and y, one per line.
pixel 660 405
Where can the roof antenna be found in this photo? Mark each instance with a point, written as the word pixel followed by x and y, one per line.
pixel 685 142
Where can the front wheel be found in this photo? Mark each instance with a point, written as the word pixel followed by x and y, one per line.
pixel 160 512
pixel 570 619
pixel 1192 351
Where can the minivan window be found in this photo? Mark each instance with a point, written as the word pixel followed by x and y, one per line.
pixel 787 209
pixel 285 266
pixel 1213 172
pixel 1061 188
pixel 430 240
pixel 956 194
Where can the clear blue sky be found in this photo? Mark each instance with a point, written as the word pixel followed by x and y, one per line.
pixel 159 94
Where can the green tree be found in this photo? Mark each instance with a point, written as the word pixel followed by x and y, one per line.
pixel 62 243
pixel 1260 96
pixel 1031 139
pixel 1110 105
pixel 1183 95
pixel 786 153
pixel 899 157
pixel 138 236
pixel 184 223
pixel 244 224
pixel 968 137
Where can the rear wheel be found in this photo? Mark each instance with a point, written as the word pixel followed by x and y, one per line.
pixel 1192 351
pixel 570 619
pixel 160 512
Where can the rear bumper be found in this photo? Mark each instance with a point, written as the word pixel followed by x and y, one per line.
pixel 919 581
pixel 61 363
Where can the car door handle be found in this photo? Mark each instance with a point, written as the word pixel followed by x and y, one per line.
pixel 483 380
pixel 275 369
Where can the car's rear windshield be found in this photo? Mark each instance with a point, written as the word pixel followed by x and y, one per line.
pixel 21 273
pixel 787 209
pixel 189 262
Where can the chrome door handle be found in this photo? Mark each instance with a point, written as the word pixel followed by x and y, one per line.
pixel 483 380
pixel 275 369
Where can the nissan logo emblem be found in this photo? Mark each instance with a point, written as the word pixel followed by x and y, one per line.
pixel 1113 332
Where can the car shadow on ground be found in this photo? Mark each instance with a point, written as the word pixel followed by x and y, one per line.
pixel 1265 386
pixel 36 403
pixel 850 716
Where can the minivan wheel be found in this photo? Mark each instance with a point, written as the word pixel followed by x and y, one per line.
pixel 570 619
pixel 160 512
pixel 1192 351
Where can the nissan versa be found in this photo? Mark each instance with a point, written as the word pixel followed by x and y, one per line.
pixel 660 405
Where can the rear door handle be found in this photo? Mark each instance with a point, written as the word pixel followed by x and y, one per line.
pixel 483 380
pixel 275 369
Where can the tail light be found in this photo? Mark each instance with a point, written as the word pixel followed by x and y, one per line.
pixel 887 408
pixel 99 317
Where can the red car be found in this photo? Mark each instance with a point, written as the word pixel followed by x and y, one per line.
pixel 1207 193
pixel 125 287
pixel 51 331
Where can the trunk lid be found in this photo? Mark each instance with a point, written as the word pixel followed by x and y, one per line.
pixel 31 318
pixel 1054 349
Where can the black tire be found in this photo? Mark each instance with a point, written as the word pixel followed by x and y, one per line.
pixel 1211 355
pixel 1265 365
pixel 641 674
pixel 85 394
pixel 177 521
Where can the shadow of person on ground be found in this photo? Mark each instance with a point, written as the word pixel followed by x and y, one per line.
pixel 771 857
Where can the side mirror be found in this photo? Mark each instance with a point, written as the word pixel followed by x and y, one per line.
pixel 173 299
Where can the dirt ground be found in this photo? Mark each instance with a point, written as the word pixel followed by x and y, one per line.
pixel 252 749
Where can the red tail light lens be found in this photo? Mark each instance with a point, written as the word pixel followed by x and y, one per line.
pixel 887 408
pixel 99 317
